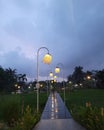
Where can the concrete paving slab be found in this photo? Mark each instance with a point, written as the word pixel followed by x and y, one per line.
pixel 58 124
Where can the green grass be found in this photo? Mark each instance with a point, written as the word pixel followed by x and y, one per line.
pixel 23 100
pixel 81 96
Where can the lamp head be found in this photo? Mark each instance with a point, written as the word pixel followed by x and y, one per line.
pixel 88 77
pixel 51 74
pixel 57 70
pixel 55 77
pixel 47 59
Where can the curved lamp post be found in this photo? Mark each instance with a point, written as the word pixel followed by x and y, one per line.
pixel 47 60
pixel 57 70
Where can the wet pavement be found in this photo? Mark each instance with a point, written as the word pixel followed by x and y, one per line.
pixel 56 116
pixel 55 108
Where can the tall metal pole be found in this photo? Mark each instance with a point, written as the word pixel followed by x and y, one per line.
pixel 38 75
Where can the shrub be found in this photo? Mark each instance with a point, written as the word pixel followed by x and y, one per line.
pixel 89 117
pixel 28 120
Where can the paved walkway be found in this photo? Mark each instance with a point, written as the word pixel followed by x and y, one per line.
pixel 56 116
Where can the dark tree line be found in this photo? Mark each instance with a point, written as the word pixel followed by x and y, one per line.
pixel 10 80
pixel 94 78
pixel 100 78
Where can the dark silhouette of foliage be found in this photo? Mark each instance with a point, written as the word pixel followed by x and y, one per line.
pixel 2 78
pixel 100 78
pixel 21 81
pixel 95 80
pixel 8 79
pixel 78 75
pixel 11 79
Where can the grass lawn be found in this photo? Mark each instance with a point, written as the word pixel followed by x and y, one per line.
pixel 81 96
pixel 23 100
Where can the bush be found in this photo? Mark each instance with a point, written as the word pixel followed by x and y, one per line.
pixel 28 120
pixel 89 117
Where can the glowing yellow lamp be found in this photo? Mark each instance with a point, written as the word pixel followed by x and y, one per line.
pixel 55 80
pixel 88 77
pixel 41 85
pixel 47 59
pixel 18 87
pixel 51 81
pixel 55 77
pixel 57 70
pixel 51 74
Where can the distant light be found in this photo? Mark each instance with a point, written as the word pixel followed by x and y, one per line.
pixel 41 85
pixel 47 59
pixel 57 70
pixel 18 87
pixel 52 81
pixel 55 80
pixel 80 84
pixel 70 82
pixel 51 74
pixel 55 77
pixel 88 77
pixel 76 85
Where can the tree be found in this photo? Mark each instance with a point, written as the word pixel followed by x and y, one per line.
pixel 2 79
pixel 21 81
pixel 78 75
pixel 70 78
pixel 7 79
pixel 100 78
pixel 11 79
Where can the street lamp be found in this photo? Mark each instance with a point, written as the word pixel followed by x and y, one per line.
pixel 47 60
pixel 57 70
pixel 88 77
pixel 51 74
pixel 55 77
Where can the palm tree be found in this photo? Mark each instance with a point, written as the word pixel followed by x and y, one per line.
pixel 21 80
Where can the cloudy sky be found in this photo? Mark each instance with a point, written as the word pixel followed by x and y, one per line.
pixel 72 30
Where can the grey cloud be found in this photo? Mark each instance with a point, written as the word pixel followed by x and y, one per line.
pixel 20 28
pixel 18 61
pixel 72 30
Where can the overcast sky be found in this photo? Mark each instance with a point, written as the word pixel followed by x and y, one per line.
pixel 72 30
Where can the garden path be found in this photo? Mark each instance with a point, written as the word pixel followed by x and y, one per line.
pixel 56 116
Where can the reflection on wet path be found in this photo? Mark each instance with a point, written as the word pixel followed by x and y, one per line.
pixel 55 108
